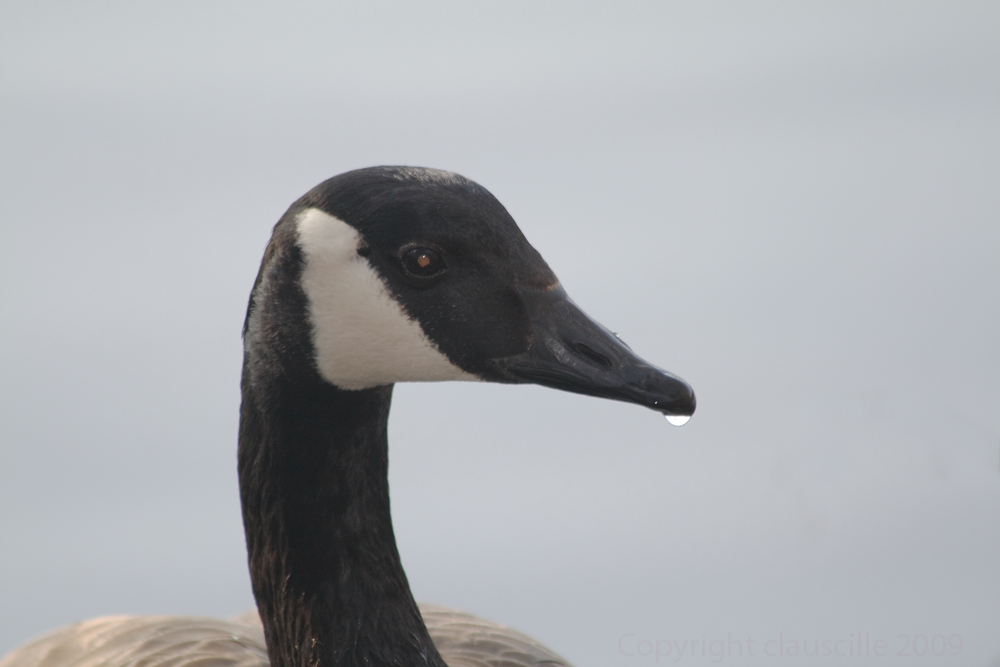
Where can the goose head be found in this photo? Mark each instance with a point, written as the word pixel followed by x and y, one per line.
pixel 378 276
pixel 396 274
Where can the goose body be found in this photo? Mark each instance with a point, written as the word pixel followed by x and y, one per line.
pixel 463 640
pixel 376 276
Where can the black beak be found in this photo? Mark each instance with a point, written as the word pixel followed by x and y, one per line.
pixel 572 352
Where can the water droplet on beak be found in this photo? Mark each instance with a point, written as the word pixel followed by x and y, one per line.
pixel 678 420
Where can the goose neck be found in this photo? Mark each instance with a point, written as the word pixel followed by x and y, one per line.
pixel 326 573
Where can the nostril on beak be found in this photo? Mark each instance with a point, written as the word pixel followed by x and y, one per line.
pixel 591 354
pixel 649 386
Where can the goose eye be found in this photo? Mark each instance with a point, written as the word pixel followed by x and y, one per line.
pixel 423 262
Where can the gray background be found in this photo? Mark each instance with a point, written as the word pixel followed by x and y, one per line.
pixel 793 206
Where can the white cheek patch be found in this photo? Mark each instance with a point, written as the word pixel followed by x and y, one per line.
pixel 362 337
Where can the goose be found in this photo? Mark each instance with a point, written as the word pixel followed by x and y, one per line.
pixel 376 276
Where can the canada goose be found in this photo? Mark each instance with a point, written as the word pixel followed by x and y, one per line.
pixel 376 276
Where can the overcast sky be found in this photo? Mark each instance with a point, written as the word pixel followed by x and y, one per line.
pixel 795 207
